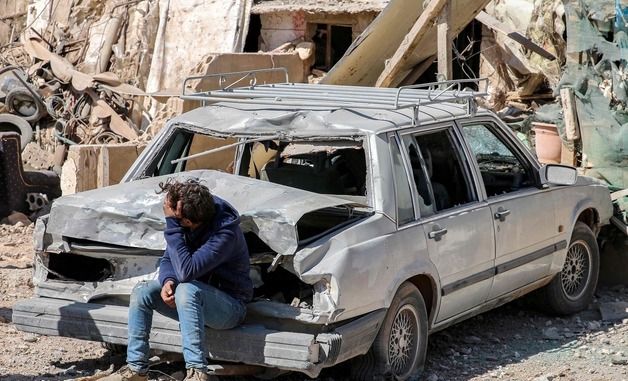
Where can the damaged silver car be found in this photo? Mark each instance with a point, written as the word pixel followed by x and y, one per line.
pixel 373 217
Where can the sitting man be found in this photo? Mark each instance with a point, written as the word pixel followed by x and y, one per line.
pixel 203 279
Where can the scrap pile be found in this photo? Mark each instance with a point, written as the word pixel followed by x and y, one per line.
pixel 52 106
pixel 63 104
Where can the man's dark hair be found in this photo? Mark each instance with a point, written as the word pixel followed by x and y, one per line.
pixel 197 202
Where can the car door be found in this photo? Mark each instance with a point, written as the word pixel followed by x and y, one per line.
pixel 523 213
pixel 458 226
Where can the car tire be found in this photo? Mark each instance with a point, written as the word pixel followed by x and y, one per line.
pixel 403 335
pixel 20 96
pixel 573 287
pixel 13 123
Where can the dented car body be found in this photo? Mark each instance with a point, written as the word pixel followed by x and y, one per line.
pixel 342 207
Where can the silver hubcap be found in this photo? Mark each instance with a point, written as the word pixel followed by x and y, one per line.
pixel 403 343
pixel 577 270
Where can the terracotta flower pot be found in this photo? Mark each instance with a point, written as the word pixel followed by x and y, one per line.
pixel 548 143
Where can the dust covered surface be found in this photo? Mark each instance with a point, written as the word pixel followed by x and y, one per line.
pixel 514 342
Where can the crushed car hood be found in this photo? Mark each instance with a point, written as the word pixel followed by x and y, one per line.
pixel 131 214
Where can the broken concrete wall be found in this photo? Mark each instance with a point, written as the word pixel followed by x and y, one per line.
pixel 12 19
pixel 190 29
pixel 281 27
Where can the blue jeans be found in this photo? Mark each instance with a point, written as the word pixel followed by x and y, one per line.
pixel 197 305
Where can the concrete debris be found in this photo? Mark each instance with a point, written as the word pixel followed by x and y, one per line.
pixel 614 311
pixel 552 333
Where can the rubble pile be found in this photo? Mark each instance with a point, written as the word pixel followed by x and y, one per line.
pixel 580 96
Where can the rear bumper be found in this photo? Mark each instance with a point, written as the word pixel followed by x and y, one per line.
pixel 249 343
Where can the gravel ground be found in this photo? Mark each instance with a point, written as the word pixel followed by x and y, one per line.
pixel 514 342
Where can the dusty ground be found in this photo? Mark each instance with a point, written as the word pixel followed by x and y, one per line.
pixel 514 342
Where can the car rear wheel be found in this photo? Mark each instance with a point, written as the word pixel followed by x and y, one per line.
pixel 572 289
pixel 401 344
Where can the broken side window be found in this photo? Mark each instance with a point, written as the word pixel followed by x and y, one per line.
pixel 502 170
pixel 438 160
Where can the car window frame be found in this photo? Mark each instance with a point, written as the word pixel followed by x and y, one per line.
pixel 458 143
pixel 509 140
pixel 394 137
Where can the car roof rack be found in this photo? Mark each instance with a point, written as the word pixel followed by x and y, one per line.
pixel 317 96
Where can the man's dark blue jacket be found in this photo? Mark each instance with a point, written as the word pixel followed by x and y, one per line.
pixel 214 253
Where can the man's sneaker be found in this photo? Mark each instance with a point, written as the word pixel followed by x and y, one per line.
pixel 198 375
pixel 125 374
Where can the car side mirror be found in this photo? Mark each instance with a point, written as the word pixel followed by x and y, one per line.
pixel 558 174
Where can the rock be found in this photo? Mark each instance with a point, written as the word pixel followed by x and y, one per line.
pixel 619 360
pixel 17 217
pixel 472 340
pixel 178 375
pixel 614 311
pixel 552 333
pixel 594 325
pixel 3 320
pixel 542 378
pixel 432 377
pixel 30 338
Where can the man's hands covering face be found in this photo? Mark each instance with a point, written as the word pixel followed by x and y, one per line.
pixel 167 293
pixel 169 211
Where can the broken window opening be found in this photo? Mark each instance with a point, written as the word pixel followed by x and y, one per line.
pixel 79 268
pixel 332 41
pixel 438 160
pixel 184 143
pixel 503 171
pixel 252 43
pixel 466 48
pixel 326 167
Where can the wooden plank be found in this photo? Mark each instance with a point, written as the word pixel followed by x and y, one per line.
pixel 567 156
pixel 418 71
pixel 114 161
pixel 500 27
pixel 79 172
pixel 399 60
pixel 443 35
pixel 102 172
pixel 570 114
